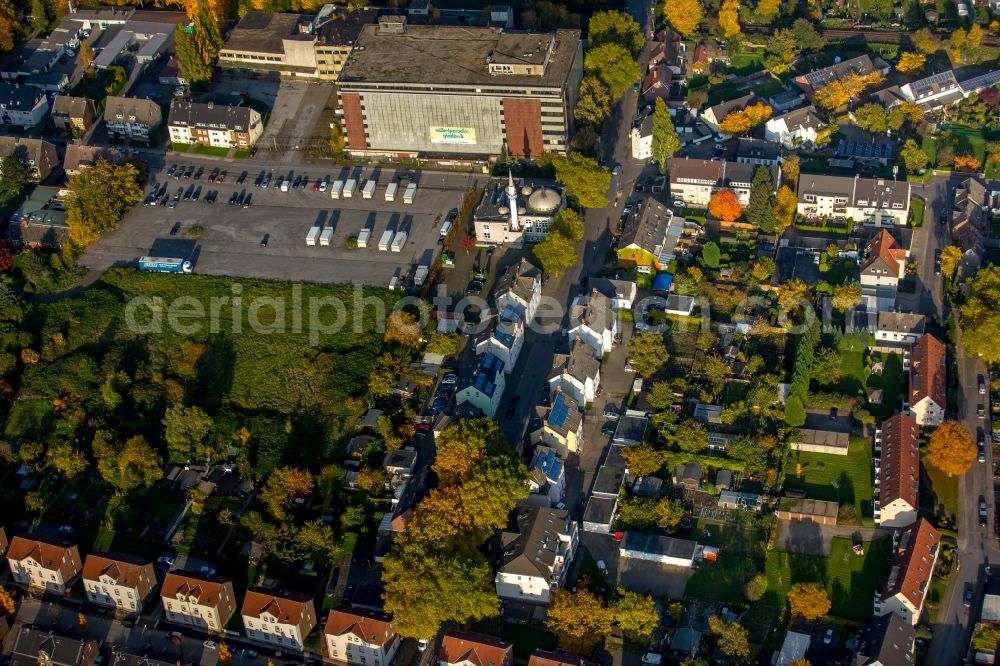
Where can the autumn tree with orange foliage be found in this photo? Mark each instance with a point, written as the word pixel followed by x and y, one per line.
pixel 725 206
pixel 951 448
pixel 6 601
pixel 966 163
pixel 840 92
pixel 225 656
pixel 738 122
pixel 284 485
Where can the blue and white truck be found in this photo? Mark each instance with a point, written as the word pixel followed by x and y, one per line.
pixel 164 264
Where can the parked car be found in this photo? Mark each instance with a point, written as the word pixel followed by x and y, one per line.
pixel 174 229
pixel 168 560
pixel 981 411
pixel 212 176
pixel 242 177
pixel 197 174
pixel 828 637
pixel 66 529
pixel 450 378
pixel 982 385
pixel 207 569
pixel 982 510
pixel 264 240
pixel 211 645
pixel 969 594
pixel 246 201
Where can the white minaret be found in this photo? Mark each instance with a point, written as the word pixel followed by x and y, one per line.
pixel 512 202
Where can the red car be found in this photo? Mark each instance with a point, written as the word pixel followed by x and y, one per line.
pixel 316 186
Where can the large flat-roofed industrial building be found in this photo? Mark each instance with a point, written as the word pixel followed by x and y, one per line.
pixel 435 91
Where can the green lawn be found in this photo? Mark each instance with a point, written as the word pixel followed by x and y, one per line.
pixel 729 537
pixel 241 154
pixel 939 497
pixel 215 151
pixel 844 479
pixel 180 147
pixel 969 140
pixel 916 212
pixel 929 146
pixel 891 381
pixel 723 580
pixel 853 374
pixel 27 417
pixel 850 580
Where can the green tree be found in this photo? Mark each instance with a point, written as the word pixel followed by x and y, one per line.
pixel 661 396
pixel 98 198
pixel 40 17
pixel 807 37
pixel 66 459
pixel 127 466
pixel 780 51
pixel 316 540
pixel 690 436
pixel 198 49
pixel 926 41
pixel 186 429
pixel 665 140
pixel 846 296
pixel 568 223
pixel 913 157
pixel 579 620
pixel 669 513
pixel 826 366
pixel 425 588
pixel 711 254
pixel 585 180
pixel 763 269
pixel 614 65
pixel 285 485
pixel 555 254
pixel 760 209
pixel 795 412
pixel 636 615
pixel 980 316
pixel 716 369
pixel 755 588
pixel 647 353
pixel 9 26
pixel 872 117
pixel 443 343
pixel 593 104
pixel 615 27
pixel 951 256
pixel 731 638
pixel 14 177
pixel 642 460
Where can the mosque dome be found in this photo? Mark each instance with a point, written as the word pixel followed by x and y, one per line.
pixel 544 200
pixel 526 190
pixel 521 210
pixel 503 210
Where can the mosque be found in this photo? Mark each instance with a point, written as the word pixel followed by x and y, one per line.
pixel 516 213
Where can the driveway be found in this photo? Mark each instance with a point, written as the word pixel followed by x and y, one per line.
pixel 296 109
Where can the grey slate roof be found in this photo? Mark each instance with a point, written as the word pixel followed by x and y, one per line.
pixel 887 641
pixel 15 97
pixel 533 545
pixel 193 114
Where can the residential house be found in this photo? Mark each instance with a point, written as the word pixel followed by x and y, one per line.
pixel 934 91
pixel 578 374
pixel 118 581
pixel 757 152
pixel 38 155
pixel 694 181
pixel 548 474
pixel 52 82
pixel 631 429
pixel 400 462
pixel 786 100
pixel 714 115
pixel 898 329
pixel 927 397
pixel 536 554
pixel 641 136
pixel 503 338
pixel 705 54
pixel 970 224
pixel 978 83
pixel 48 565
pixel 650 235
pixel 4 541
pixel 660 549
pixel 278 617
pixel 793 648
pixel 681 306
pixel 795 128
pixel 40 220
pixel 592 318
pixel 131 118
pixel 863 65
pixel 621 292
pixel 360 637
pixel 886 641
pixel 484 388
pixel 470 649
pixel 22 106
pixel 546 658
pixel 912 566
pixel 199 600
pixel 79 157
pixel 668 47
pixel 687 475
pixel 124 657
pixel 214 125
pixel 562 424
pixel 871 201
pixel 518 292
pixel 73 114
pixel 898 472
pixel 885 261
pixel 656 83
pixel 37 647
pixel 171 75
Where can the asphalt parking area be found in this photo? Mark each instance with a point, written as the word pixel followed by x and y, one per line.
pixel 230 242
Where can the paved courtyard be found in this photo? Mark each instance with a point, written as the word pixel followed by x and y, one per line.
pixel 230 243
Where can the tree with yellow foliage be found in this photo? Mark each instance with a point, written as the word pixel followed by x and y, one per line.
pixel 766 10
pixel 808 600
pixel 6 601
pixel 225 655
pixel 684 15
pixel 951 448
pixel 840 92
pixel 735 122
pixel 951 255
pixel 729 18
pixel 283 486
pixel 957 43
pixel 966 163
pixel 785 204
pixel 974 38
pixel 758 113
pixel 911 62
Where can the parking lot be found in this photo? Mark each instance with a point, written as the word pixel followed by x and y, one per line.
pixel 229 241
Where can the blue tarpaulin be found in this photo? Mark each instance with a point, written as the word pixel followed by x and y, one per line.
pixel 663 282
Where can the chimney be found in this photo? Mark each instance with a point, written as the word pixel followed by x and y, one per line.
pixel 211 105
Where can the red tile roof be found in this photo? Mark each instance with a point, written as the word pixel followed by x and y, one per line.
pixel 546 658
pixel 370 627
pixel 884 254
pixel 927 372
pixel 206 589
pixel 913 563
pixel 48 554
pixel 286 607
pixel 899 476
pixel 125 570
pixel 478 649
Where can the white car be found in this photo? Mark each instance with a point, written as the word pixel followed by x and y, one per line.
pixel 211 645
pixel 208 569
